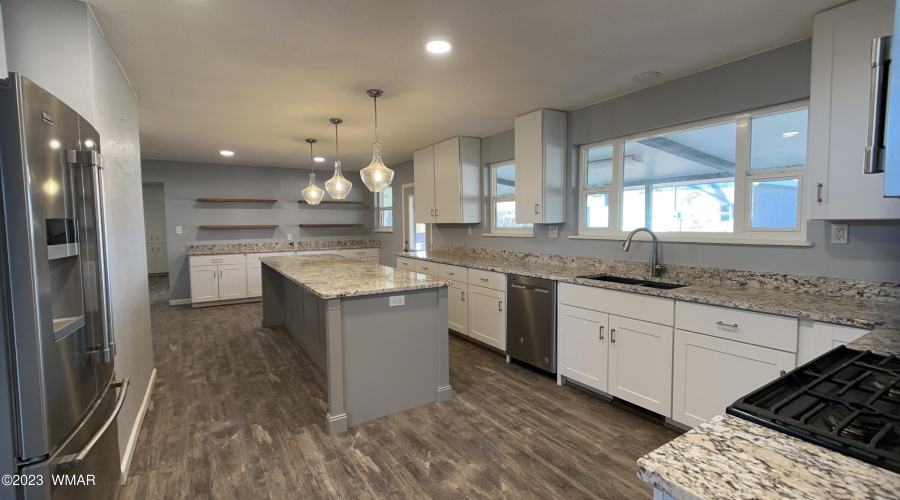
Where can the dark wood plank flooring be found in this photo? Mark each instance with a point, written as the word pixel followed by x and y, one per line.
pixel 238 412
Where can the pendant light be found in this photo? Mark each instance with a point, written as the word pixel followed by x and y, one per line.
pixel 313 194
pixel 338 186
pixel 377 177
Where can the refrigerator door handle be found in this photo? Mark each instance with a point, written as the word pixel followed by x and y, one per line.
pixel 77 459
pixel 93 160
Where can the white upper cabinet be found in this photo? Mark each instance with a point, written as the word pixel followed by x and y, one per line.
pixel 839 114
pixel 448 181
pixel 541 167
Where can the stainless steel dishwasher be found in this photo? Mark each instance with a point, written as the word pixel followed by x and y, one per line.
pixel 531 321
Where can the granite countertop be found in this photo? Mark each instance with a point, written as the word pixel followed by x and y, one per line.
pixel 279 246
pixel 333 276
pixel 729 457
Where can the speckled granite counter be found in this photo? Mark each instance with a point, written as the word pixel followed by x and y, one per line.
pixel 279 246
pixel 332 276
pixel 728 457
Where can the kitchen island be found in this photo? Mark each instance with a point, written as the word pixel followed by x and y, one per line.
pixel 379 333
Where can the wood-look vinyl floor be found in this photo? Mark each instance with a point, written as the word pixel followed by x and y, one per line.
pixel 238 412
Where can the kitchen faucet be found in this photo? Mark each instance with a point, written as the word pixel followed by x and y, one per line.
pixel 656 270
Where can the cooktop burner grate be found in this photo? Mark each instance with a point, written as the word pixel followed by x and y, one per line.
pixel 845 400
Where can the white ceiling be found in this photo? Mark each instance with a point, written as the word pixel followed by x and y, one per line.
pixel 258 77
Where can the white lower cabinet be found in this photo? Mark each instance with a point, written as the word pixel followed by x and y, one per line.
pixel 204 283
pixel 254 279
pixel 458 305
pixel 157 258
pixel 583 346
pixel 232 281
pixel 487 316
pixel 818 338
pixel 711 373
pixel 640 363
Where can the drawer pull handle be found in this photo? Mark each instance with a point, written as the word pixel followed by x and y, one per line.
pixel 729 325
pixel 483 279
pixel 612 335
pixel 819 192
pixel 500 306
pixel 601 333
pixel 451 273
pixel 463 295
pixel 216 260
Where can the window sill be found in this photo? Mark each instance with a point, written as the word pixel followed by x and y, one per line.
pixel 508 235
pixel 712 241
pixel 382 230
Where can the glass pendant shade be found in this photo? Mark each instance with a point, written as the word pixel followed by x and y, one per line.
pixel 338 186
pixel 313 194
pixel 377 176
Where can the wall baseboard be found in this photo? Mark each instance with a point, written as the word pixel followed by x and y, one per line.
pixel 179 302
pixel 136 430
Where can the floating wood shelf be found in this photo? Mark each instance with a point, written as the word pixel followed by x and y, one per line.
pixel 235 200
pixel 337 202
pixel 248 226
pixel 332 225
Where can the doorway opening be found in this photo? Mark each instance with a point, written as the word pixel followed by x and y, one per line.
pixel 155 229
pixel 416 236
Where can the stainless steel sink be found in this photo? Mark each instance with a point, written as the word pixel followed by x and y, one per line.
pixel 632 281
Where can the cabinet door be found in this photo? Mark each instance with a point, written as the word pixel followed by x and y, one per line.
pixel 458 314
pixel 487 316
pixel 839 113
pixel 254 279
pixel 423 171
pixel 447 176
pixel 583 344
pixel 640 363
pixel 711 373
pixel 232 281
pixel 204 283
pixel 529 167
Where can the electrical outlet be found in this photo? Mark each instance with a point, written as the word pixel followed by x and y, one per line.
pixel 397 300
pixel 179 229
pixel 554 231
pixel 290 236
pixel 840 234
pixel 470 229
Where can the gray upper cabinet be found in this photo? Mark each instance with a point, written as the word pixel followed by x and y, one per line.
pixel 448 181
pixel 839 114
pixel 541 167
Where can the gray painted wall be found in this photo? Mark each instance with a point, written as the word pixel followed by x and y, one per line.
pixel 58 45
pixel 184 182
pixel 774 77
pixel 392 242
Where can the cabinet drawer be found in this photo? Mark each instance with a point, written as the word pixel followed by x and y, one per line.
pixel 488 279
pixel 214 260
pixel 630 305
pixel 359 253
pixel 425 267
pixel 404 263
pixel 454 273
pixel 776 332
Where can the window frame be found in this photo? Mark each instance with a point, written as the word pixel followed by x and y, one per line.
pixel 493 199
pixel 743 179
pixel 379 209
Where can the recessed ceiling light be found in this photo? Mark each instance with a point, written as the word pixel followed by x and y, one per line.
pixel 646 76
pixel 319 159
pixel 225 152
pixel 88 143
pixel 789 134
pixel 438 47
pixel 54 144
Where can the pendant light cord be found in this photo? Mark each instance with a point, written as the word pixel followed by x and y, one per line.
pixel 312 162
pixel 375 99
pixel 336 155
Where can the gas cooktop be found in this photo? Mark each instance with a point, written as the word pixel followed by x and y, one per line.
pixel 845 400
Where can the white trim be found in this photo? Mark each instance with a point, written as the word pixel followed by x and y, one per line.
pixel 136 429
pixel 383 230
pixel 378 209
pixel 179 302
pixel 510 235
pixel 712 241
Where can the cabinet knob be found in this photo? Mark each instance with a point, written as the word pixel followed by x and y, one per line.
pixel 783 373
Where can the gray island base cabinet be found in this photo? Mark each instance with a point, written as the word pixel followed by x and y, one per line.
pixel 379 359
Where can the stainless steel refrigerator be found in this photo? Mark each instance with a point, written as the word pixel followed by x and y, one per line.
pixel 58 394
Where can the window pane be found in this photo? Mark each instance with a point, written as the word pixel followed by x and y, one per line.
pixel 419 238
pixel 690 178
pixel 778 141
pixel 387 197
pixel 599 166
pixel 506 180
pixel 387 218
pixel 773 204
pixel 505 215
pixel 597 214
